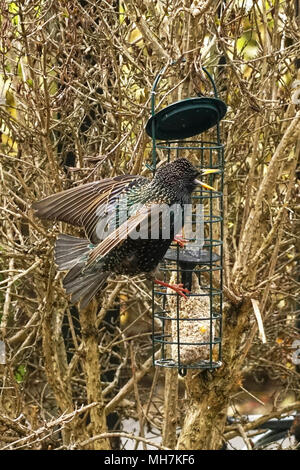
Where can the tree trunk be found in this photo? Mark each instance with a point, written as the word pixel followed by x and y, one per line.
pixel 92 372
pixel 208 392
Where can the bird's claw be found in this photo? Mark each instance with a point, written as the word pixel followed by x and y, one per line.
pixel 178 288
pixel 180 240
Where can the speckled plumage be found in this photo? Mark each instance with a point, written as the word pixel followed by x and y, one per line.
pixel 90 261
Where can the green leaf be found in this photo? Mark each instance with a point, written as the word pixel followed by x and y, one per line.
pixel 20 373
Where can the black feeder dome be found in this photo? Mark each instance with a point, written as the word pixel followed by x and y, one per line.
pixel 191 330
pixel 186 118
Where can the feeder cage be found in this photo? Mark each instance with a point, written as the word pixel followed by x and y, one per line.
pixel 190 331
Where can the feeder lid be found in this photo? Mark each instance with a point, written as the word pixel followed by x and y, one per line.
pixel 186 118
pixel 191 256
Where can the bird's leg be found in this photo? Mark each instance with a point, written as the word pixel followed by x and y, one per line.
pixel 180 239
pixel 178 288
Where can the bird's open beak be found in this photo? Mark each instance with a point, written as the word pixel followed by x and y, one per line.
pixel 208 171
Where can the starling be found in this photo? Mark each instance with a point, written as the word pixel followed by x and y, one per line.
pixel 113 212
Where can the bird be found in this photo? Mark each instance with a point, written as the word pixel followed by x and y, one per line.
pixel 114 212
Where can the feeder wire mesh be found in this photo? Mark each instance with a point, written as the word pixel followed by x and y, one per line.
pixel 191 330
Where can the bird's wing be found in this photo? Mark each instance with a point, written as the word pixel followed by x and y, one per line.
pixel 148 214
pixel 84 205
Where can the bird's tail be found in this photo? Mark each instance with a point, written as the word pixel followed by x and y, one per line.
pixel 71 253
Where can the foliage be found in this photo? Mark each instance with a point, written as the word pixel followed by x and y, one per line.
pixel 75 81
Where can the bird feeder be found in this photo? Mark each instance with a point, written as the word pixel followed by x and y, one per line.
pixel 190 331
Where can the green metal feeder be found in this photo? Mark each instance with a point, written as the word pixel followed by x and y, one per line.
pixel 191 330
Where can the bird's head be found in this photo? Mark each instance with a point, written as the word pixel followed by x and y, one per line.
pixel 181 175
